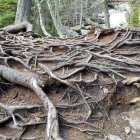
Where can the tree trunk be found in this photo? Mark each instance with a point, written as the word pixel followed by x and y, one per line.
pixel 23 11
pixel 81 12
pixel 40 19
pixel 56 19
pixel 106 13
pixel 22 18
pixel 33 82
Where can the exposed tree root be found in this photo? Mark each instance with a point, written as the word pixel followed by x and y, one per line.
pixel 85 75
pixel 11 112
pixel 6 137
pixel 131 80
pixel 23 26
pixel 33 82
pixel 88 131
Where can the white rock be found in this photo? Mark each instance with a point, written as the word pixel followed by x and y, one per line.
pixel 118 16
pixel 127 130
pixel 87 27
pixel 76 28
pixel 84 32
pixel 134 132
pixel 118 19
pixel 113 137
pixel 72 33
pixel 133 117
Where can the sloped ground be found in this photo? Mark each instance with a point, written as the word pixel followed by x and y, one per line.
pixel 92 85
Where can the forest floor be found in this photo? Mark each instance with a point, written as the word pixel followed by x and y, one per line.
pixel 94 86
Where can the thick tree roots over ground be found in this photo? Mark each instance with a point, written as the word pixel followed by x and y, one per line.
pixel 15 28
pixel 34 83
pixel 70 83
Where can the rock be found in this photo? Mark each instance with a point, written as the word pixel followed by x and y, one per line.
pixel 71 33
pixel 87 27
pixel 118 19
pixel 76 28
pixel 93 139
pixel 90 22
pixel 84 32
pixel 133 117
pixel 127 130
pixel 98 139
pixel 68 33
pixel 100 21
pixel 134 132
pixel 113 137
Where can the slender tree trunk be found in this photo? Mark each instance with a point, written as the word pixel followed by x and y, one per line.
pixel 40 19
pixel 106 14
pixel 56 20
pixel 81 12
pixel 76 11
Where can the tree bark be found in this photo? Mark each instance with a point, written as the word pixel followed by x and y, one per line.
pixel 81 12
pixel 34 82
pixel 41 20
pixel 22 18
pixel 15 28
pixel 106 14
pixel 56 19
pixel 23 11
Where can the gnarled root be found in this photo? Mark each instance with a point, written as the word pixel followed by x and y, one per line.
pixel 15 28
pixel 33 82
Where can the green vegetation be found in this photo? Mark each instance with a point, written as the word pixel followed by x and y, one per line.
pixel 135 13
pixel 7 12
pixel 51 29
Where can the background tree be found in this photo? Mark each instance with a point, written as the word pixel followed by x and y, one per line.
pixel 23 13
pixel 41 18
pixel 106 13
pixel 55 16
pixel 135 13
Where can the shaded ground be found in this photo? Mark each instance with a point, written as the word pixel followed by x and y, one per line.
pixel 96 69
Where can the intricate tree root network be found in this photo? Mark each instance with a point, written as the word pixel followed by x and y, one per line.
pixel 75 64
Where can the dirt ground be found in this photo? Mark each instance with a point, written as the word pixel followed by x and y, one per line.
pixel 107 96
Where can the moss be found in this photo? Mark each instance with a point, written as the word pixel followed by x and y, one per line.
pixel 7 12
pixel 135 14
pixel 7 19
pixel 51 29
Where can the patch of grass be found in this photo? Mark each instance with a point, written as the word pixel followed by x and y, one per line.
pixel 7 12
pixel 135 14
